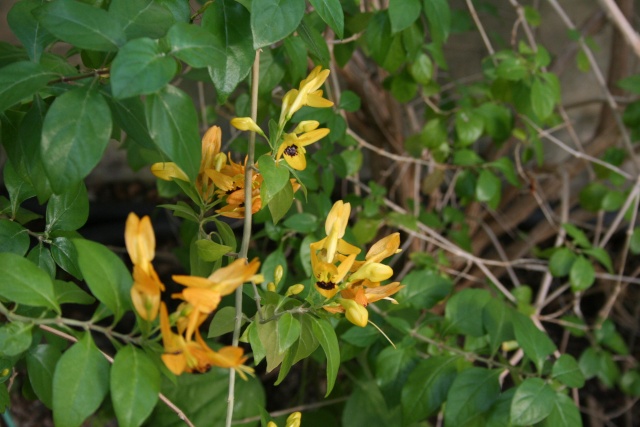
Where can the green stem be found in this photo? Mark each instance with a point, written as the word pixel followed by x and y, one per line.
pixel 246 231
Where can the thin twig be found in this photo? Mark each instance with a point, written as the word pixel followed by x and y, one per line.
pixel 246 232
pixel 623 25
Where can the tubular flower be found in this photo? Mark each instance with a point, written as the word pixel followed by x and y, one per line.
pixel 185 355
pixel 292 147
pixel 246 124
pixel 168 171
pixel 204 293
pixel 308 93
pixel 141 243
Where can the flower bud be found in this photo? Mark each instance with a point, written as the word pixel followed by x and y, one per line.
pixel 219 161
pixel 294 290
pixel 306 126
pixel 354 312
pixel 375 272
pixel 246 124
pixel 168 171
pixel 294 419
pixel 271 287
pixel 277 274
pixel 272 424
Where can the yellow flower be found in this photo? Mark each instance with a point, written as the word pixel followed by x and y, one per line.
pixel 292 148
pixel 145 292
pixel 204 293
pixel 371 271
pixel 140 241
pixel 354 312
pixel 229 181
pixel 246 124
pixel 308 93
pixel 328 276
pixel 168 171
pixel 294 420
pixel 185 355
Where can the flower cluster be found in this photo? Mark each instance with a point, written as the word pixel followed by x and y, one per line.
pixel 336 269
pixel 185 351
pixel 219 179
pixel 290 146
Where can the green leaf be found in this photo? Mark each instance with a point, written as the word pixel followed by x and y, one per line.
pixel 315 43
pixel 228 21
pixel 80 383
pixel 469 126
pixel 66 155
pixel 142 18
pixel 427 387
pixel 129 115
pixel 361 337
pixel 567 371
pixel 439 17
pixel 488 186
pixel 23 282
pixel 302 222
pixel 466 157
pixel 41 256
pixel 349 101
pixel 471 395
pixel 280 203
pixel 578 236
pixel 81 25
pixel 106 276
pixel 564 413
pixel 403 13
pixel 141 68
pixel 326 336
pixel 424 289
pixel 393 366
pixel 276 177
pixel 543 99
pixel 296 51
pixel 634 243
pixel 463 312
pixel 65 255
pixel 561 261
pixel 28 30
pixel 195 45
pixel 41 364
pixel 70 293
pixel 14 238
pixel 602 256
pixel 367 407
pixel 331 13
pixel 536 344
pixel 582 274
pixel 211 251
pixel 223 322
pixel 273 20
pixel 512 68
pixel 591 196
pixel 595 362
pixel 173 125
pixel 135 384
pixel 68 211
pixel 532 402
pixel 15 338
pixel 496 318
pixel 267 339
pixel 21 80
pixel 288 331
pixel 421 69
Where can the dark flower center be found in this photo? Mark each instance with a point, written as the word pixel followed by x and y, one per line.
pixel 291 151
pixel 327 286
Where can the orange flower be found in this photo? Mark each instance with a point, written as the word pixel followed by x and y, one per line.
pixel 140 241
pixel 229 180
pixel 204 293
